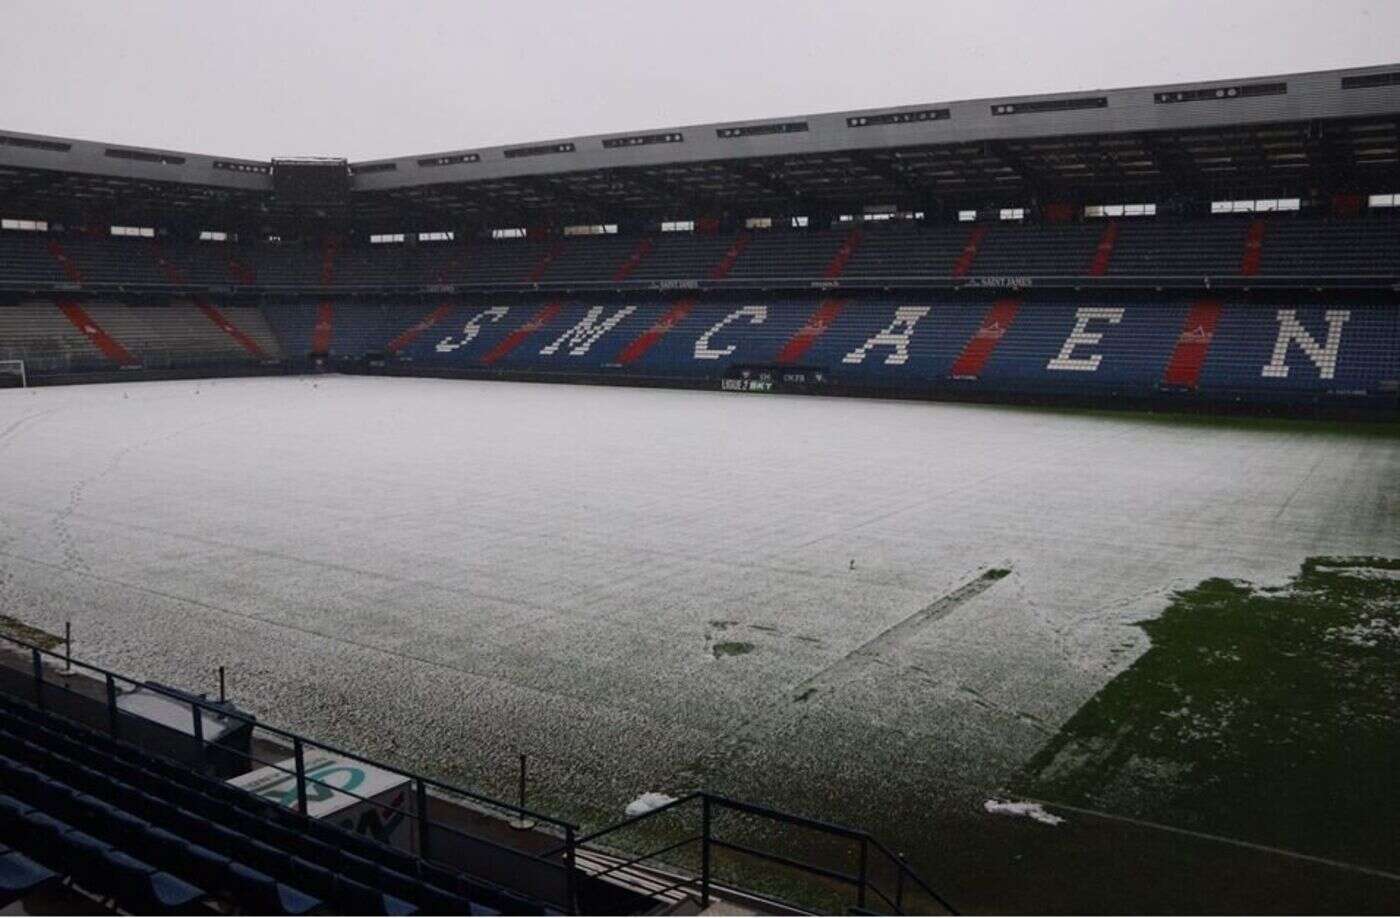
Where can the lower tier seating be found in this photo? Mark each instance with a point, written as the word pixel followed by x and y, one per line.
pixel 51 340
pixel 46 340
pixel 1019 345
pixel 1032 344
pixel 157 837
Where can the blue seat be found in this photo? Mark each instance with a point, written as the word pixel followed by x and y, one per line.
pixel 356 898
pixel 42 837
pixel 24 782
pixel 142 816
pixel 361 869
pixel 314 878
pixel 259 893
pixel 208 869
pixel 435 901
pixel 138 887
pixel 20 876
pixel 117 825
pixel 11 813
pixel 83 857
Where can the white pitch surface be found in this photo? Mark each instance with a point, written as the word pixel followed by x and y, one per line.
pixel 442 573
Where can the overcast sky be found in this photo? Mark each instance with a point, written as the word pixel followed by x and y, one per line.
pixel 367 80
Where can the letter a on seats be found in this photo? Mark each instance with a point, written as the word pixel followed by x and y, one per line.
pixel 1081 335
pixel 587 332
pixel 472 329
pixel 756 315
pixel 1323 356
pixel 896 336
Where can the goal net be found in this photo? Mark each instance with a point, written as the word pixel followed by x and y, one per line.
pixel 12 375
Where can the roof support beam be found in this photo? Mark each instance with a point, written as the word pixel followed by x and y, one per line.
pixel 757 173
pixel 890 171
pixel 663 188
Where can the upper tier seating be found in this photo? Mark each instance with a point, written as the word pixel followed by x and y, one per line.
pixel 158 837
pixel 1158 247
pixel 1350 247
pixel 907 251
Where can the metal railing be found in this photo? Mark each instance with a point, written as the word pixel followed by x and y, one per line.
pixel 1019 280
pixel 839 867
pixel 879 879
pixel 548 878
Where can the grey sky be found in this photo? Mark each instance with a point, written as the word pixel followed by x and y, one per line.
pixel 365 80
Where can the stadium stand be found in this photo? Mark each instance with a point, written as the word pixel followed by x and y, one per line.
pixel 157 837
pixel 127 809
pixel 46 340
pixel 1022 346
pixel 1038 345
pixel 1153 248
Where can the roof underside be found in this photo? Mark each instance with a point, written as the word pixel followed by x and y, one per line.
pixel 1297 135
pixel 1358 155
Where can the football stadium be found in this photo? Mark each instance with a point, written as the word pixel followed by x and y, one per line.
pixel 985 506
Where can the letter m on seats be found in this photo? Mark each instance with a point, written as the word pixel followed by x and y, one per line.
pixel 587 331
pixel 1323 355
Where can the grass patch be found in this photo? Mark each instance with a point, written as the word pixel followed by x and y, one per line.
pixel 14 628
pixel 1267 714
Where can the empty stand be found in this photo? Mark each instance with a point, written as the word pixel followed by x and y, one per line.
pixel 1253 247
pixel 1179 248
pixel 1348 247
pixel 1023 345
pixel 904 251
pixel 157 837
pixel 184 335
pixel 1103 252
pixel 979 348
pixel 1155 248
pixel 25 259
pixel 46 339
pixel 963 266
pixel 102 339
pixel 539 268
pixel 837 266
pixel 788 255
pixel 634 259
pixel 725 265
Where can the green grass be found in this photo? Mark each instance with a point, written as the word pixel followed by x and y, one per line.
pixel 1267 714
pixel 13 627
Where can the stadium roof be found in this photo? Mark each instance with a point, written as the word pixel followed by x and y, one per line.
pixel 1334 130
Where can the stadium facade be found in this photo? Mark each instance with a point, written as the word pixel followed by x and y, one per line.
pixel 1220 243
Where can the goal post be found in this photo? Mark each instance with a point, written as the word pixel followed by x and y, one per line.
pixel 12 374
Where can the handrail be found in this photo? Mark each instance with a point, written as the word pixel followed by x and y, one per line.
pixel 572 842
pixel 968 282
pixel 623 865
pixel 909 872
pixel 693 795
pixel 825 872
pixel 216 708
pixel 862 881
pixel 200 708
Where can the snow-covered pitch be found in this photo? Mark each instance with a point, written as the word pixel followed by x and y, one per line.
pixel 796 600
